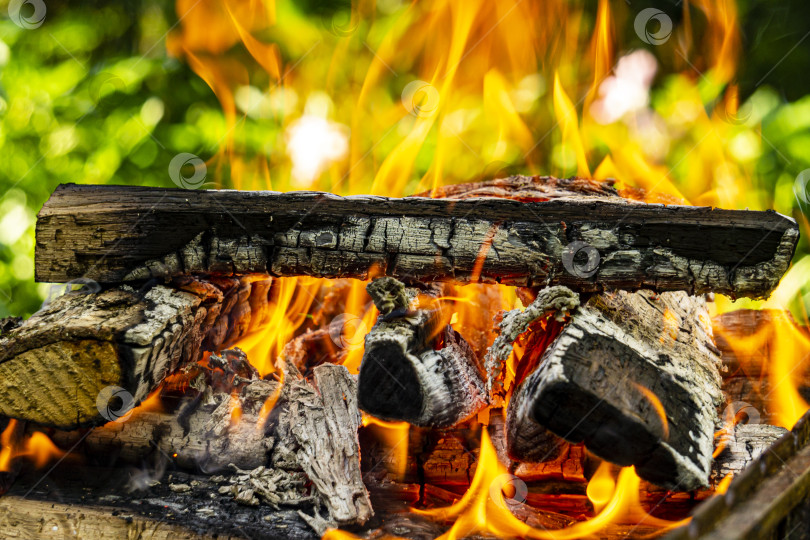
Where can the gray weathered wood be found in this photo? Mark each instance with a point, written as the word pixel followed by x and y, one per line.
pixel 593 385
pixel 116 233
pixel 740 446
pixel 323 419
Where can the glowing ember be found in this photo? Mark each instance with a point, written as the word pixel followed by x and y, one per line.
pixel 483 509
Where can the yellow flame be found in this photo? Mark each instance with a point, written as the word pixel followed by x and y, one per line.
pixel 601 486
pixel 567 118
pixel 36 447
pixel 483 507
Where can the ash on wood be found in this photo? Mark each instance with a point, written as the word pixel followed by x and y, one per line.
pixel 635 376
pixel 323 419
pixel 416 368
pixel 88 231
pixel 86 359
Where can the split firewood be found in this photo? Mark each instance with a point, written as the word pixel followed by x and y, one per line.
pixel 211 429
pixel 415 367
pixel 636 377
pixel 323 420
pixel 88 358
pixel 629 245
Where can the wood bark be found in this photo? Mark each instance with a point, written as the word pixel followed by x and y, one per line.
pixel 86 359
pixel 115 233
pixel 323 420
pixel 635 376
pixel 415 367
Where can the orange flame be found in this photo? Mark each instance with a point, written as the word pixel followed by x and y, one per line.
pixel 36 447
pixel 483 507
pixel 395 436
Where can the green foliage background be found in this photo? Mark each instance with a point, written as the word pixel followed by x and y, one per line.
pixel 92 97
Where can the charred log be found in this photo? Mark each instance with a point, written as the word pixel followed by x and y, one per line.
pixel 740 253
pixel 415 367
pixel 323 420
pixel 635 376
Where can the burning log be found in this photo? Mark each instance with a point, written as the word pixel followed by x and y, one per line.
pixel 86 359
pixel 404 374
pixel 635 376
pixel 629 245
pixel 208 431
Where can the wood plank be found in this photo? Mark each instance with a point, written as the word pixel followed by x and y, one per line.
pixel 118 233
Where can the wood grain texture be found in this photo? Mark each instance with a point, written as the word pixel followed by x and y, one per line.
pixel 116 233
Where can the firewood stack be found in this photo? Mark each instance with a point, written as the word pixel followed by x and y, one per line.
pixel 617 352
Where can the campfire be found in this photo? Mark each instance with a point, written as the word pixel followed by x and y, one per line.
pixel 513 356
